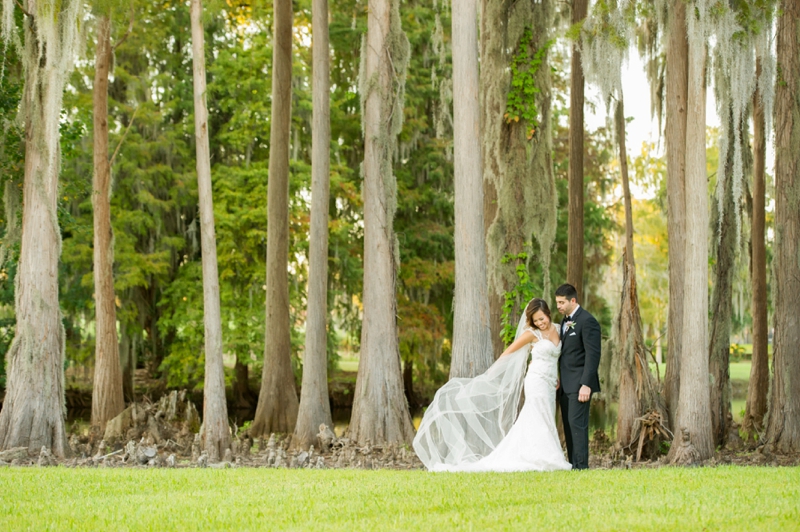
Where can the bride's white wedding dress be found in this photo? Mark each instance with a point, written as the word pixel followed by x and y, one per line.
pixel 470 425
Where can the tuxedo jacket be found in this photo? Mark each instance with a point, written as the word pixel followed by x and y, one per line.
pixel 580 353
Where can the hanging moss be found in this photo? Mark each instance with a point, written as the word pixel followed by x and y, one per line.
pixel 47 60
pixel 605 40
pixel 742 36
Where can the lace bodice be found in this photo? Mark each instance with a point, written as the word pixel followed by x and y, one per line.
pixel 544 357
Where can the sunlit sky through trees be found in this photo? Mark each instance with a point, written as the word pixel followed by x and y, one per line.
pixel 644 127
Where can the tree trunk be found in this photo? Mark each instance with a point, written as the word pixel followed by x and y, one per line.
pixel 314 403
pixel 638 394
pixel 722 297
pixel 472 343
pixel 677 96
pixel 128 362
pixel 277 401
pixel 33 407
pixel 757 387
pixel 495 300
pixel 489 188
pixel 520 201
pixel 216 434
pixel 380 413
pixel 242 396
pixel 783 425
pixel 107 398
pixel 694 414
pixel 659 353
pixel 575 253
pixel 408 382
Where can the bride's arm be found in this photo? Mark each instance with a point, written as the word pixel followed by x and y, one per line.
pixel 527 337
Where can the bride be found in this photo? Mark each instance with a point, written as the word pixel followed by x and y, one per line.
pixel 472 424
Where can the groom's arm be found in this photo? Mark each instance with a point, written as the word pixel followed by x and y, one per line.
pixel 591 346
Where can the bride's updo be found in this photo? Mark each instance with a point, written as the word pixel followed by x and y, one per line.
pixel 534 306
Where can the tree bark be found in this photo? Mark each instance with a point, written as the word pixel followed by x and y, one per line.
pixel 694 414
pixel 408 382
pixel 722 297
pixel 107 397
pixel 519 185
pixel 495 300
pixel 216 434
pixel 575 253
pixel 757 387
pixel 677 97
pixel 242 396
pixel 380 413
pixel 128 363
pixel 277 401
pixel 314 403
pixel 472 344
pixel 637 390
pixel 33 407
pixel 783 425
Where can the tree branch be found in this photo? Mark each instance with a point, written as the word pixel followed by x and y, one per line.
pixel 127 33
pixel 116 151
pixel 19 4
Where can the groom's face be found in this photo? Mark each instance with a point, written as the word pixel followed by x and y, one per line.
pixel 565 306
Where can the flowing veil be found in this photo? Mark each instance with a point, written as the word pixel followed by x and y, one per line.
pixel 469 417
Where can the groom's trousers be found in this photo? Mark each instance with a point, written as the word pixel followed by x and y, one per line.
pixel 575 416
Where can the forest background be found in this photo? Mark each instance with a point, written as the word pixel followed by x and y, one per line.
pixel 155 217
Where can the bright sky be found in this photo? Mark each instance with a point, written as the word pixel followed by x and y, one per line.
pixel 643 128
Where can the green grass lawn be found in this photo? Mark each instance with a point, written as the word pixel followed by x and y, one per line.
pixel 728 498
pixel 348 364
pixel 740 371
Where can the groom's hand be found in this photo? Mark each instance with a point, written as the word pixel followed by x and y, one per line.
pixel 584 394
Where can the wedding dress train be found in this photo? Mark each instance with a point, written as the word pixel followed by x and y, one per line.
pixel 470 424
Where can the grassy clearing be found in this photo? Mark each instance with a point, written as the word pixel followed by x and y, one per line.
pixel 739 371
pixel 727 498
pixel 349 364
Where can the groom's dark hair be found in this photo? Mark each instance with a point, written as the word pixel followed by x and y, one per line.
pixel 568 291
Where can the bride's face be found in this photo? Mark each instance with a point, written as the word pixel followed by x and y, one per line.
pixel 541 320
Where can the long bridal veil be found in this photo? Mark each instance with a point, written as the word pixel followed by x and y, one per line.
pixel 469 417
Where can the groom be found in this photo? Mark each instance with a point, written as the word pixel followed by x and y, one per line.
pixel 580 356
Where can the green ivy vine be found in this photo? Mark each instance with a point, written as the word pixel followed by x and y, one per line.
pixel 522 96
pixel 521 293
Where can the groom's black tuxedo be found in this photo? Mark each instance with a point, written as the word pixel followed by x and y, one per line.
pixel 580 353
pixel 580 357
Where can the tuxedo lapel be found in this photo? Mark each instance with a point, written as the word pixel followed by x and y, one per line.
pixel 574 320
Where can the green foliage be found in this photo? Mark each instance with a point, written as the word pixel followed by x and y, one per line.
pixel 12 163
pixel 514 300
pixel 522 95
pixel 154 210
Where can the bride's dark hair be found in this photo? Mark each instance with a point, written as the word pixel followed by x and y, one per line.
pixel 535 306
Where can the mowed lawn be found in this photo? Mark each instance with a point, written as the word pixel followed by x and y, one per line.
pixel 739 371
pixel 724 498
